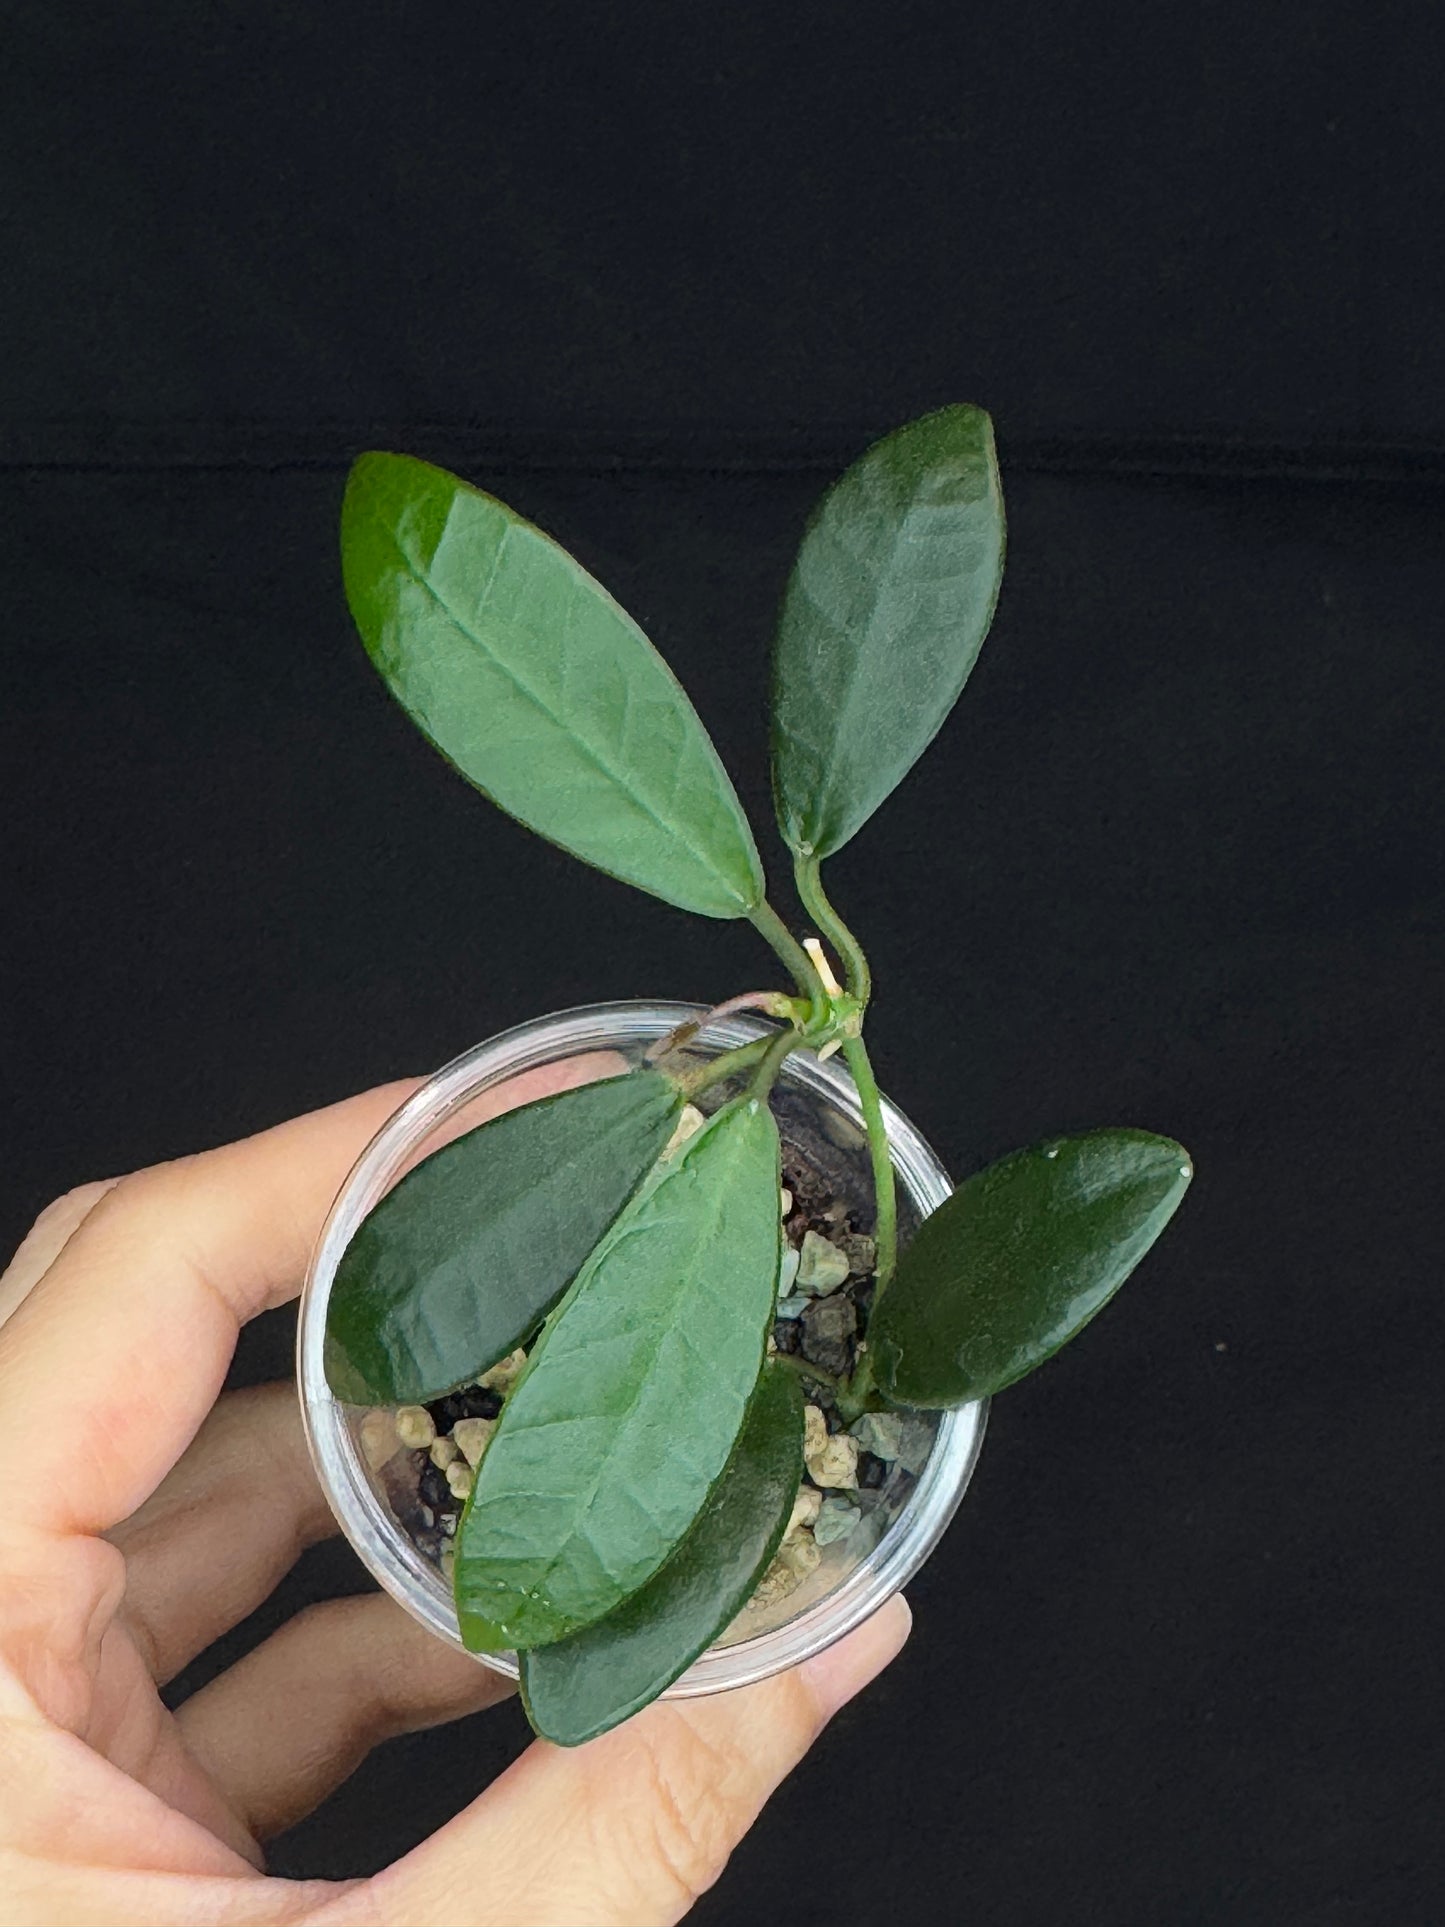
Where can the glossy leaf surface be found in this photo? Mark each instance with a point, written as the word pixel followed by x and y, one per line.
pixel 1018 1260
pixel 884 615
pixel 465 1257
pixel 543 692
pixel 624 1419
pixel 584 1685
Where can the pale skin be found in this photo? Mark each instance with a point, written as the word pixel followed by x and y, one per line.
pixel 165 1511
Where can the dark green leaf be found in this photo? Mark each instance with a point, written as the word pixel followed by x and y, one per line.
pixel 620 1426
pixel 544 693
pixel 1018 1260
pixel 583 1685
pixel 885 613
pixel 464 1258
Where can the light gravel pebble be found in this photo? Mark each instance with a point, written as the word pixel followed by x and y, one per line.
pixel 822 1267
pixel 690 1121
pixel 806 1508
pixel 880 1433
pixel 796 1558
pixel 503 1376
pixel 415 1426
pixel 837 1519
pixel 473 1436
pixel 377 1436
pixel 835 1463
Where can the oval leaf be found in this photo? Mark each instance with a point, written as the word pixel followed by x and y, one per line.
pixel 544 693
pixel 624 1419
pixel 883 618
pixel 599 1677
pixel 1018 1260
pixel 466 1256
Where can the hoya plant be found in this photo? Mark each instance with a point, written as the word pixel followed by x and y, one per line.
pixel 604 1273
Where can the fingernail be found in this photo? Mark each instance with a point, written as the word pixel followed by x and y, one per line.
pixel 837 1675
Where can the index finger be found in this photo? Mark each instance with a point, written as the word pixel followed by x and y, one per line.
pixel 109 1366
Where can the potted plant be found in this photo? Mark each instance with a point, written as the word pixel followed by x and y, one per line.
pixel 690 1358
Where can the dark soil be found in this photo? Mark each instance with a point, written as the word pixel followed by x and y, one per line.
pixel 426 1508
pixel 472 1401
pixel 829 1331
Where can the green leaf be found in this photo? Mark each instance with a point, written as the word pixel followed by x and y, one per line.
pixel 599 1677
pixel 465 1257
pixel 532 681
pixel 620 1426
pixel 883 618
pixel 1018 1260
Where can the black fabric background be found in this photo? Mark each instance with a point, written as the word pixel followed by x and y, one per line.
pixel 653 277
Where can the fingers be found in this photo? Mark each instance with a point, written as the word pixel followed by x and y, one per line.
pixel 134 1322
pixel 222 1529
pixel 287 1724
pixel 45 1241
pixel 628 1830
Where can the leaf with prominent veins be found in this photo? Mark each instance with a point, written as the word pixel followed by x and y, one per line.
pixel 539 688
pixel 581 1686
pixel 464 1258
pixel 633 1397
pixel 884 615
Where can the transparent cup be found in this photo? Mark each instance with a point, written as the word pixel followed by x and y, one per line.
pixel 810 1096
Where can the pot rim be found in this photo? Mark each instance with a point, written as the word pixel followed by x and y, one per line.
pixel 389 1555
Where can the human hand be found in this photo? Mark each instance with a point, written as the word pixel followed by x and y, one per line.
pixel 161 1515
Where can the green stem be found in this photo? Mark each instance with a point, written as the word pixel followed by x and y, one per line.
pixel 773 930
pixel 727 1064
pixel 859 1394
pixel 885 1231
pixel 790 1361
pixel 772 1062
pixel 850 952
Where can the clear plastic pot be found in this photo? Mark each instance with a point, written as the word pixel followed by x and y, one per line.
pixel 811 1097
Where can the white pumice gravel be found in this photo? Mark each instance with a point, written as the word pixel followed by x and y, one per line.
pixel 377 1436
pixel 690 1121
pixel 801 1555
pixel 835 1463
pixel 776 1583
pixel 806 1508
pixel 415 1426
pixel 796 1558
pixel 459 1479
pixel 444 1452
pixel 503 1376
pixel 473 1436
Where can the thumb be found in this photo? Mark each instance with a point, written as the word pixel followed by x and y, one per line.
pixel 628 1830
